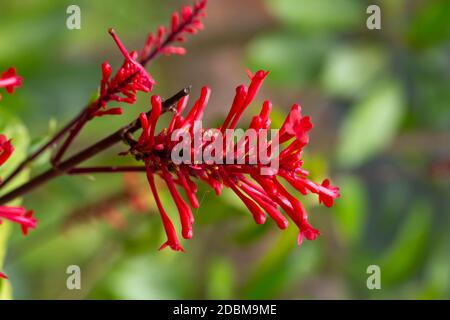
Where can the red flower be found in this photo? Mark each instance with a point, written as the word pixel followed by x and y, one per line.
pixel 261 193
pixel 18 215
pixel 132 76
pixel 15 214
pixel 9 80
pixel 188 21
pixel 6 149
pixel 123 86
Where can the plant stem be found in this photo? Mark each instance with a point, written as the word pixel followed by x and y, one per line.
pixel 85 154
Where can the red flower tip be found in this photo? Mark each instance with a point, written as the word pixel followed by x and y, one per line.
pixel 309 233
pixel 31 222
pixel 19 215
pixel 112 111
pixel 296 126
pixel 10 80
pixel 327 193
pixel 3 276
pixel 6 149
pixel 173 246
pixel 187 21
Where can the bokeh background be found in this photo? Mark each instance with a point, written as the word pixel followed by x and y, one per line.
pixel 379 100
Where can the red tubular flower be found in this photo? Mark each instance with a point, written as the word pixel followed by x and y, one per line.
pixel 15 214
pixel 172 239
pixel 188 21
pixel 18 215
pixel 123 86
pixel 6 149
pixel 261 193
pixel 9 80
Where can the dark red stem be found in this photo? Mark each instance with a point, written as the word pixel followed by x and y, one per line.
pixel 39 151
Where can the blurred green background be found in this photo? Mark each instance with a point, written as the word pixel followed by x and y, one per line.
pixel 379 100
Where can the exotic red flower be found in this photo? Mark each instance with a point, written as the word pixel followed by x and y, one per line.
pixel 9 80
pixel 258 185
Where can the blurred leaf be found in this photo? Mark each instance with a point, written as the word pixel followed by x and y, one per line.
pixel 430 26
pixel 351 212
pixel 292 60
pixel 220 279
pixel 5 285
pixel 371 125
pixel 407 251
pixel 349 70
pixel 319 15
pixel 283 265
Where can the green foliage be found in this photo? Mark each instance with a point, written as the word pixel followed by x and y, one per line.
pixel 351 214
pixel 371 125
pixel 221 276
pixel 409 247
pixel 292 60
pixel 319 15
pixel 350 71
pixel 430 24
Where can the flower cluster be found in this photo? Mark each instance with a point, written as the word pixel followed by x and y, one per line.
pixel 123 86
pixel 10 80
pixel 267 190
pixel 261 193
pixel 132 76
pixel 188 21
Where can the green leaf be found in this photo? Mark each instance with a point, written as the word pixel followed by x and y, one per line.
pixel 430 25
pixel 351 213
pixel 281 267
pixel 5 287
pixel 371 125
pixel 292 59
pixel 408 249
pixel 319 15
pixel 220 279
pixel 349 70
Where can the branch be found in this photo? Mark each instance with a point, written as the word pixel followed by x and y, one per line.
pixel 86 154
pixel 39 151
